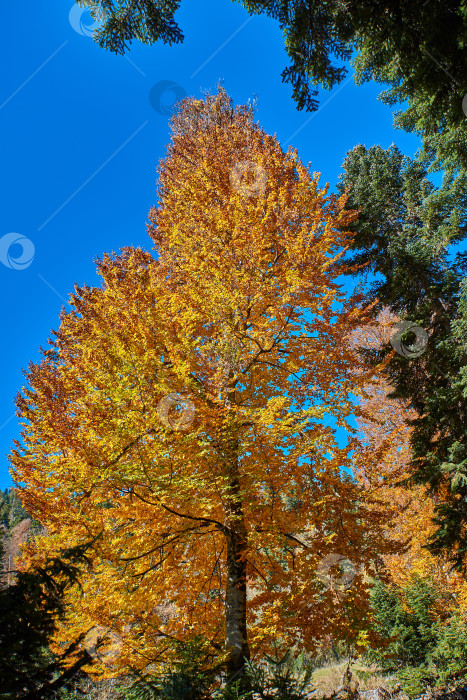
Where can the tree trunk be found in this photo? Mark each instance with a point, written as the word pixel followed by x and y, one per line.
pixel 235 593
pixel 235 601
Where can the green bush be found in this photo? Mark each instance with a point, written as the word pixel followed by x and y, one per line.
pixel 195 675
pixel 189 677
pixel 407 620
pixel 288 678
pixel 414 680
pixel 450 654
pixel 417 645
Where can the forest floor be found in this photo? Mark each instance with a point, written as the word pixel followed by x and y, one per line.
pixel 369 683
pixel 328 679
pixel 326 683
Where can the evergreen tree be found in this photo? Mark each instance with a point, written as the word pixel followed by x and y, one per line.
pixel 404 232
pixel 421 643
pixel 11 509
pixel 122 21
pixel 29 611
pixel 415 47
pixel 407 619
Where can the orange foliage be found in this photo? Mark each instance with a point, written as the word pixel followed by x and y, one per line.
pixel 384 425
pixel 181 411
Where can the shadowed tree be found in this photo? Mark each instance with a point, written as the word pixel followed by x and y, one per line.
pixel 30 611
pixel 405 233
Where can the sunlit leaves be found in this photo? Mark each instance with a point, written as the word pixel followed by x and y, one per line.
pixel 240 312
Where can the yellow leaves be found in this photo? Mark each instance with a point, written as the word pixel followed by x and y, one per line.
pixel 363 641
pixel 383 422
pixel 276 406
pixel 238 314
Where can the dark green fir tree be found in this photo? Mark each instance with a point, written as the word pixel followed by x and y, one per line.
pixel 29 611
pixel 405 233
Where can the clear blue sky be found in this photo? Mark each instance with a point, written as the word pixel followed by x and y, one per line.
pixel 80 142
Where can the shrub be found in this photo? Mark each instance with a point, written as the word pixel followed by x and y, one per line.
pixel 417 644
pixel 450 654
pixel 190 676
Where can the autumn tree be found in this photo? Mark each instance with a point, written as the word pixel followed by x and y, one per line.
pixel 385 425
pixel 183 409
pixel 419 608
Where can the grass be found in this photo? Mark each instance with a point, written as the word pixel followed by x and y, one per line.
pixel 328 679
